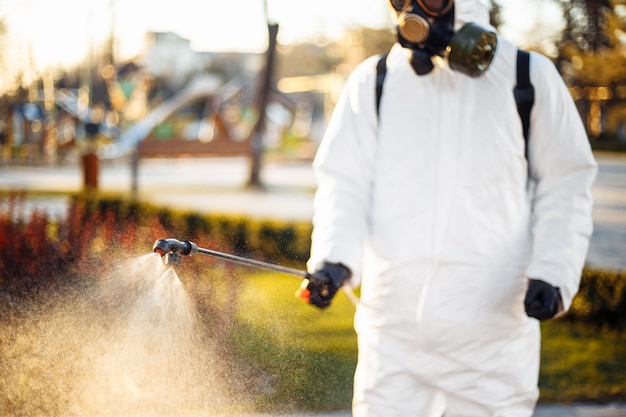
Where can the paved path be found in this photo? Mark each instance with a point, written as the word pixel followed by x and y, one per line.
pixel 608 243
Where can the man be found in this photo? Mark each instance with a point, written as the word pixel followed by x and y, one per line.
pixel 460 235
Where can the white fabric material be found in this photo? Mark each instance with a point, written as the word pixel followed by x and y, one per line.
pixel 466 11
pixel 431 205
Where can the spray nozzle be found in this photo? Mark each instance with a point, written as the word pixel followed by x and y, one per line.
pixel 172 249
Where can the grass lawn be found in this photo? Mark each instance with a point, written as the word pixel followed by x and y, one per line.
pixel 582 363
pixel 310 355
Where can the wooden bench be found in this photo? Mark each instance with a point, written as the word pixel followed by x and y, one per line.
pixel 221 145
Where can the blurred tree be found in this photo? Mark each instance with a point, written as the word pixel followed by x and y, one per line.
pixel 593 43
pixel 3 30
pixel 358 44
pixel 592 58
pixel 303 59
pixel 586 23
pixel 374 41
pixel 4 75
pixel 343 54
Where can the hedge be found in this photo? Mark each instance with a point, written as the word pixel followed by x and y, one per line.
pixel 601 299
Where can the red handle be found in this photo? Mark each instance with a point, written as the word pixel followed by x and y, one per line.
pixel 303 292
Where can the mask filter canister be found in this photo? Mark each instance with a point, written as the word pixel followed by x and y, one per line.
pixel 471 50
pixel 413 28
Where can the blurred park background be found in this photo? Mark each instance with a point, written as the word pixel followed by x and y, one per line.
pixel 209 112
pixel 161 78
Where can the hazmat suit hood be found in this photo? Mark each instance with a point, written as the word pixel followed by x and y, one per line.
pixel 466 11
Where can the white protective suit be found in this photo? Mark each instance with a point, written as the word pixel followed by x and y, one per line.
pixel 432 209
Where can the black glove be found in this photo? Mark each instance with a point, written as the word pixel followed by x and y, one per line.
pixel 323 284
pixel 543 301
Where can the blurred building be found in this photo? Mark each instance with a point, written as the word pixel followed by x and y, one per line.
pixel 168 56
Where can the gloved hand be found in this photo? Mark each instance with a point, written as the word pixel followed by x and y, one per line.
pixel 543 301
pixel 323 284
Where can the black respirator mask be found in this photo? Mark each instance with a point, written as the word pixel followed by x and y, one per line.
pixel 426 27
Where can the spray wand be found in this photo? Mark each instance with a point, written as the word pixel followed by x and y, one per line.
pixel 172 249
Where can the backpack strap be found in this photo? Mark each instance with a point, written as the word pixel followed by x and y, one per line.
pixel 524 93
pixel 381 73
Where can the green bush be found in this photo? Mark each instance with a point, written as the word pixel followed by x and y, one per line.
pixel 609 143
pixel 267 239
pixel 30 255
pixel 601 300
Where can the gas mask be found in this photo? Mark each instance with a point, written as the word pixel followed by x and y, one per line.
pixel 426 27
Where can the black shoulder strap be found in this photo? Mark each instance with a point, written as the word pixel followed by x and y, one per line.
pixel 524 92
pixel 381 72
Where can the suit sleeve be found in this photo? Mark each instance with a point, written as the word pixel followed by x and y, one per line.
pixel 563 169
pixel 344 168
